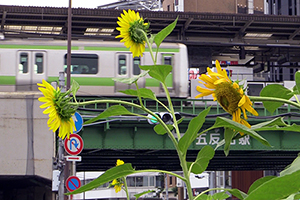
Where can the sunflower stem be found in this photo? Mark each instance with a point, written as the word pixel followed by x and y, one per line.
pixel 172 110
pixel 126 188
pixel 139 95
pixel 149 45
pixel 274 99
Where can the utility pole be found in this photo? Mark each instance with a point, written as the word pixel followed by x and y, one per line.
pixel 69 45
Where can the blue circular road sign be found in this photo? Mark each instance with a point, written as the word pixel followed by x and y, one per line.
pixel 78 122
pixel 73 183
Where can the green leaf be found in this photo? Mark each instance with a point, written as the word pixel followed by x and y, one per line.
pixel 111 174
pixel 224 122
pixel 74 87
pixel 220 196
pixel 259 182
pixel 202 197
pixel 277 188
pixel 295 90
pixel 114 110
pixel 160 130
pixel 192 131
pixel 228 135
pixel 159 72
pixel 295 166
pixel 297 80
pixel 144 93
pixel 131 80
pixel 202 160
pixel 293 127
pixel 142 193
pixel 237 193
pixel 275 90
pixel 161 35
pixel 277 121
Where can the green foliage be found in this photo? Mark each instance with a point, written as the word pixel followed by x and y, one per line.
pixel 143 193
pixel 218 196
pixel 159 72
pixel 295 166
pixel 114 110
pixel 297 80
pixel 277 188
pixel 224 122
pixel 228 136
pixel 142 92
pixel 275 90
pixel 161 35
pixel 131 80
pixel 237 193
pixel 111 174
pixel 202 160
pixel 192 131
pixel 74 87
pixel 160 130
pixel 259 182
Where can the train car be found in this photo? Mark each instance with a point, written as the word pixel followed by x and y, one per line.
pixel 25 62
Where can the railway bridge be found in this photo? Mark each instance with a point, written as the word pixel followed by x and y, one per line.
pixel 134 140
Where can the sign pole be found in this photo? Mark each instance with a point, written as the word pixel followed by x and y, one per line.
pixel 61 188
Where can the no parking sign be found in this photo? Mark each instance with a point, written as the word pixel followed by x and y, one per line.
pixel 73 183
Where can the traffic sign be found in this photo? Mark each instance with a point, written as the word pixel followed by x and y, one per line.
pixel 74 144
pixel 73 158
pixel 78 122
pixel 73 183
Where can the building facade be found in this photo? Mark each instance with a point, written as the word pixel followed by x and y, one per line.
pixel 225 6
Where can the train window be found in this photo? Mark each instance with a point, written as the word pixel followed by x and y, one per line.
pixel 23 65
pixel 168 60
pixel 136 63
pixel 39 63
pixel 83 63
pixel 122 65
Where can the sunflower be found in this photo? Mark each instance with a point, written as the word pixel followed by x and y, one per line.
pixel 229 94
pixel 59 112
pixel 133 30
pixel 117 183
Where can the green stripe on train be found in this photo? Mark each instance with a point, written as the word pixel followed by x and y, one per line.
pixel 7 80
pixel 17 46
pixel 88 81
pixel 14 46
pixel 102 81
pixel 127 49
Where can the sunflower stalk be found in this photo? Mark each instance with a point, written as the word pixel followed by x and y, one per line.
pixel 274 99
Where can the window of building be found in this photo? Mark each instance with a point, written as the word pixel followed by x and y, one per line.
pixel 168 8
pixel 39 63
pixel 23 64
pixel 170 180
pixel 83 63
pixel 151 181
pixel 139 181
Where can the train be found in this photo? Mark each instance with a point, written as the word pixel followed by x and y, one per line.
pixel 94 64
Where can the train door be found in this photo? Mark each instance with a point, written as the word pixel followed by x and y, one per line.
pixel 128 67
pixel 168 59
pixel 31 69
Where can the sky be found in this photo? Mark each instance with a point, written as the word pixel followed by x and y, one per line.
pixel 58 3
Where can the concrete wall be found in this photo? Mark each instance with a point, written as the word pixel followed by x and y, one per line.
pixel 26 144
